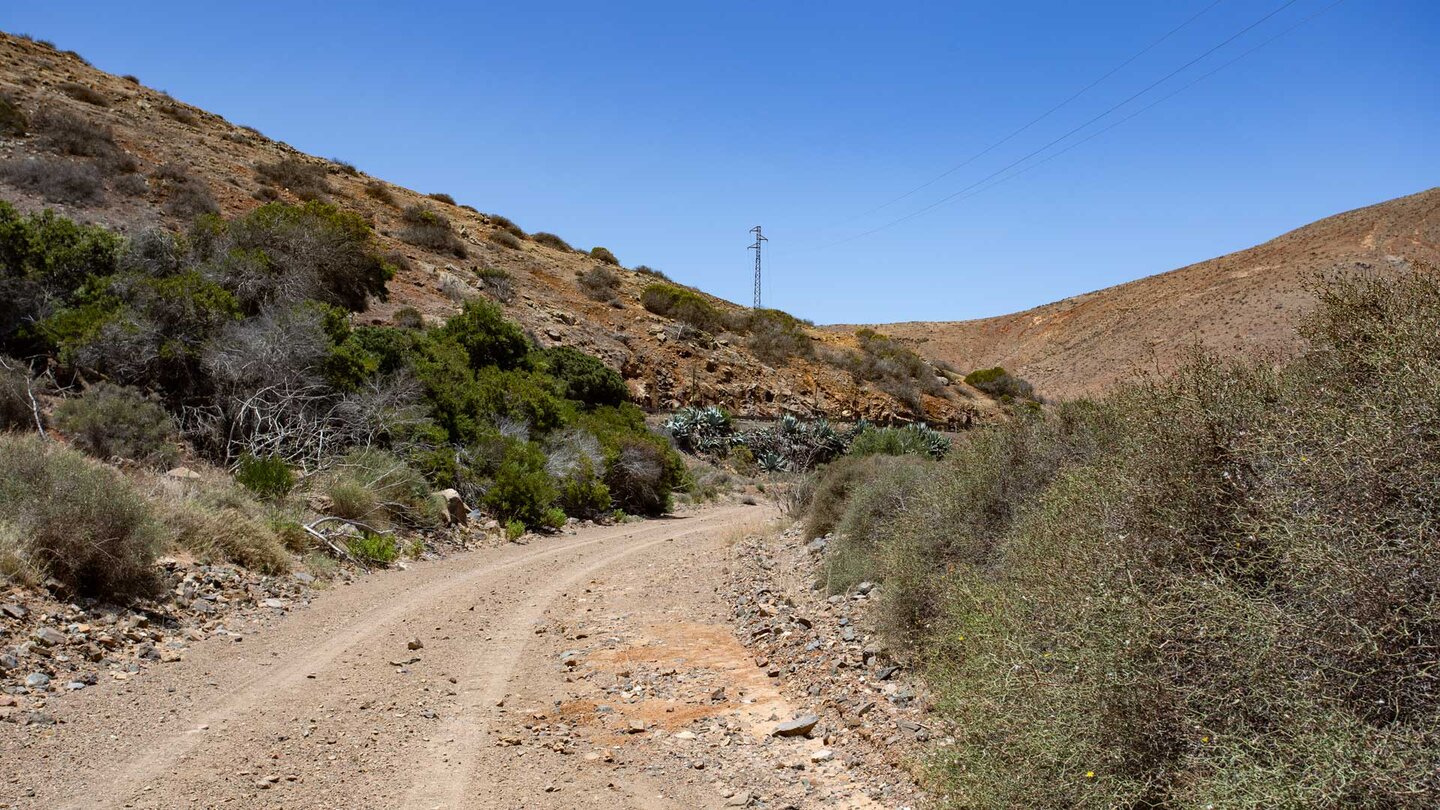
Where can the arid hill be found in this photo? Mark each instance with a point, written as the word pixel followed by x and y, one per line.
pixel 1243 303
pixel 105 149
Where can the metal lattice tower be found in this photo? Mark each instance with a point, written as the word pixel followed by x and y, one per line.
pixel 759 238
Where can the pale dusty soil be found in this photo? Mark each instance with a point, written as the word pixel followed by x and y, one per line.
pixel 580 671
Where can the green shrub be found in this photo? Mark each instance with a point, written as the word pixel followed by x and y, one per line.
pixel 686 306
pixel 373 548
pixel 64 517
pixel 487 337
pixel 583 494
pixel 45 261
pixel 604 255
pixel 522 490
pixel 282 254
pixel 1001 384
pixel 268 477
pixel 111 421
pixel 514 530
pixel 552 241
pixel 425 227
pixel 585 379
pixel 600 284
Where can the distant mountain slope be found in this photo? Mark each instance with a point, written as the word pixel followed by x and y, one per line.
pixel 164 160
pixel 1246 302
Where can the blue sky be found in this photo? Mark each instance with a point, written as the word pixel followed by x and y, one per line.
pixel 664 131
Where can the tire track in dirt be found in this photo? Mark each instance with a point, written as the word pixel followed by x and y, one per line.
pixel 262 689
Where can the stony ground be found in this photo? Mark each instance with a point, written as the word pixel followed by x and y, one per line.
pixel 622 665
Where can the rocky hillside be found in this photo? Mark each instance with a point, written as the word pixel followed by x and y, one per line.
pixel 1246 302
pixel 106 149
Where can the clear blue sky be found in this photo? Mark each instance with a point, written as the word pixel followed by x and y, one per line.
pixel 666 130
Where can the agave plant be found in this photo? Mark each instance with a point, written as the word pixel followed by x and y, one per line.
pixel 772 462
pixel 701 430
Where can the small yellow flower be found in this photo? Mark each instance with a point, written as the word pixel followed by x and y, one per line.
pixel 1204 739
pixel 1089 774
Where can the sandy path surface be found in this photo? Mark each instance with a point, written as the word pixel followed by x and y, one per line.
pixel 571 671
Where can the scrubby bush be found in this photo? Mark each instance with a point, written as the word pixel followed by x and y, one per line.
pixel 599 284
pixel 892 366
pixel 775 336
pixel 686 306
pixel 280 254
pixel 268 477
pixel 177 113
pixel 58 181
pixel 550 240
pixel 69 134
pixel 408 318
pixel 111 421
pixel 641 472
pixel 1001 384
pixel 13 122
pixel 75 521
pixel 15 404
pixel 504 224
pixel 833 486
pixel 306 180
pixel 378 190
pixel 441 196
pixel 885 494
pixel 222 524
pixel 187 197
pixel 498 282
pixel 504 239
pixel 647 270
pixel 381 489
pixel 344 167
pixel 585 379
pixel 1215 588
pixel 604 255
pixel 81 92
pixel 425 227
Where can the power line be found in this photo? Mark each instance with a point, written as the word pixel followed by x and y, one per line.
pixel 1041 117
pixel 1151 105
pixel 1109 111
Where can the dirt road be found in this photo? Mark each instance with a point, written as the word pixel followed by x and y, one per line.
pixel 596 667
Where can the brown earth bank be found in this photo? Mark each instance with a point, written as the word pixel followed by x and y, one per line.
pixel 597 669
pixel 1246 303
pixel 171 154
